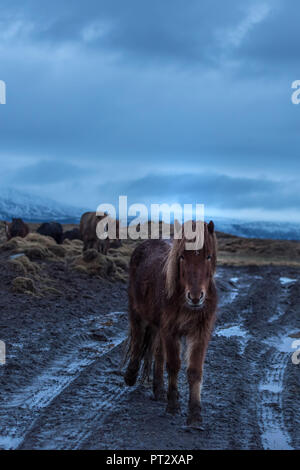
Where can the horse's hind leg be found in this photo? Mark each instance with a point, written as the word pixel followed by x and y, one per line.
pixel 158 373
pixel 137 335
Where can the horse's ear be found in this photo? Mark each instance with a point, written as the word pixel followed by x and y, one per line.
pixel 177 230
pixel 211 227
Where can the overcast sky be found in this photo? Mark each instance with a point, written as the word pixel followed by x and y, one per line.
pixel 161 100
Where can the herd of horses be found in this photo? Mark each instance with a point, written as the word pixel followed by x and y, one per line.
pixel 172 294
pixel 86 232
pixel 18 228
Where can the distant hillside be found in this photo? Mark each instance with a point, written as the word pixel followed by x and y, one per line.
pixel 259 229
pixel 35 209
pixel 31 208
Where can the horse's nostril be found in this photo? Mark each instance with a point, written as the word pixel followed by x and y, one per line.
pixel 195 300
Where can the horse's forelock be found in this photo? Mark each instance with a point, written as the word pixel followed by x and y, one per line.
pixel 171 266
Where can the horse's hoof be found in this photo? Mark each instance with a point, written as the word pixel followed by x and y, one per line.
pixel 129 379
pixel 191 427
pixel 194 421
pixel 173 408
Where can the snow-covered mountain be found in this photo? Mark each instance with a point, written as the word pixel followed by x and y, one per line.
pixel 258 229
pixel 253 229
pixel 14 203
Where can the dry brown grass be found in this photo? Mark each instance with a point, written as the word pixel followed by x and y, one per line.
pixel 23 285
pixel 35 250
pixel 27 257
pixel 24 266
pixel 237 251
pixel 96 264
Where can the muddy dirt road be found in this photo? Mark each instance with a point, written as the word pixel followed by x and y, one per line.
pixel 62 385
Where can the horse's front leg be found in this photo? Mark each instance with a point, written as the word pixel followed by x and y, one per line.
pixel 196 355
pixel 158 373
pixel 173 363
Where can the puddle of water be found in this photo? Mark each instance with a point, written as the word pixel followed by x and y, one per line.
pixel 9 442
pixel 232 296
pixel 283 344
pixel 19 255
pixel 284 281
pixel 240 289
pixel 229 298
pixel 276 440
pixel 271 387
pixel 235 331
pixel 277 315
pixel 280 310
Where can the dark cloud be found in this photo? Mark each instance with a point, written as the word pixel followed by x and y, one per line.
pixel 161 85
pixel 47 172
pixel 274 42
pixel 216 191
pixel 147 30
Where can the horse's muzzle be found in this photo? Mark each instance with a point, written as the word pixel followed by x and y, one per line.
pixel 195 302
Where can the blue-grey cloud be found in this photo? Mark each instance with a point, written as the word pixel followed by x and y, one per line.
pixel 215 191
pixel 185 86
pixel 47 172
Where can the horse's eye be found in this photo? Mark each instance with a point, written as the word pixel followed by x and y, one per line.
pixel 209 257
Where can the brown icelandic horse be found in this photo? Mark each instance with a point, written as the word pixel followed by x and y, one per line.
pixel 88 232
pixel 89 236
pixel 16 228
pixel 172 294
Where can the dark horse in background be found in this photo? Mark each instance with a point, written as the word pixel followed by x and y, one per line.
pixel 172 294
pixel 16 228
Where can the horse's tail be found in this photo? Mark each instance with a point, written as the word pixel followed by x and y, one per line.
pixel 146 352
pixel 149 346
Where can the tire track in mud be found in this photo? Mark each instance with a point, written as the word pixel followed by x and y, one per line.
pixel 81 408
pixel 270 404
pixel 27 404
pixel 98 397
pixel 218 433
pixel 253 331
pixel 86 404
pixel 79 400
